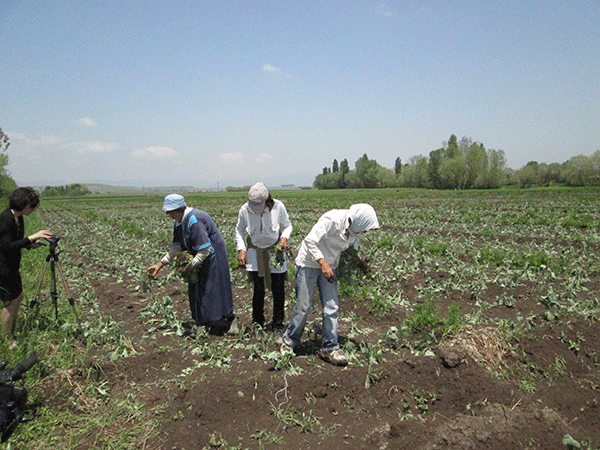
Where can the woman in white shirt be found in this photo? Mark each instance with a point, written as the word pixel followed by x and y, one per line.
pixel 261 235
pixel 316 263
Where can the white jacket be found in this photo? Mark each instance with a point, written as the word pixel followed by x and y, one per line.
pixel 265 229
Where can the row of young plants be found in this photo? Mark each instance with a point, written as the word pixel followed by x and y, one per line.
pixel 447 245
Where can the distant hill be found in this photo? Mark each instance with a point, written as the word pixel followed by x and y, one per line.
pixel 96 188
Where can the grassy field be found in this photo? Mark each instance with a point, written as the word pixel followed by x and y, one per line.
pixel 516 270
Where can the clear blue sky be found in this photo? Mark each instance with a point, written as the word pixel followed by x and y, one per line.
pixel 207 93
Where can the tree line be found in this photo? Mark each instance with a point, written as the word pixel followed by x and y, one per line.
pixel 457 164
pixel 460 164
pixel 72 190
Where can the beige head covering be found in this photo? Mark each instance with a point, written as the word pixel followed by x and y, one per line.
pixel 257 196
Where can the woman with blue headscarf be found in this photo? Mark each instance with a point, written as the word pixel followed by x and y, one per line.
pixel 209 282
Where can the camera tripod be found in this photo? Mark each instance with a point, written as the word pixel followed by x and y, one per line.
pixel 54 263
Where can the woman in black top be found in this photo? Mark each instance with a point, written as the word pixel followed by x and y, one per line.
pixel 22 202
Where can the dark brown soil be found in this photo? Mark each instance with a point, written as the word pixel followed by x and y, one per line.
pixel 528 396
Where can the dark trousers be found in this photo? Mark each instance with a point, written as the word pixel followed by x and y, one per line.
pixel 258 298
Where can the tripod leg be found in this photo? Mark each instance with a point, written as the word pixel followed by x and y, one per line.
pixel 53 291
pixel 71 299
pixel 39 285
pixel 36 296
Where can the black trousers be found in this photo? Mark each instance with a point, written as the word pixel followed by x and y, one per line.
pixel 258 298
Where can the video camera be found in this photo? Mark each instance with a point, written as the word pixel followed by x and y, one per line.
pixel 13 399
pixel 53 240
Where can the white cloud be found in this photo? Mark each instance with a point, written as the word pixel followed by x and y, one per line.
pixel 54 144
pixel 154 153
pixel 270 68
pixel 93 147
pixel 384 10
pixel 264 158
pixel 32 142
pixel 275 70
pixel 87 122
pixel 231 157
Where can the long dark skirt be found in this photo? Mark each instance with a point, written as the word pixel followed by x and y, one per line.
pixel 211 298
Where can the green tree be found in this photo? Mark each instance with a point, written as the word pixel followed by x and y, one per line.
pixel 366 171
pixel 4 143
pixel 344 169
pixel 452 150
pixel 436 158
pixel 398 166
pixel 334 178
pixel 387 178
pixel 529 175
pixel 464 145
pixel 421 173
pixel 453 173
pixel 328 181
pixel 477 166
pixel 7 184
pixel 496 174
pixel 595 163
pixel 553 175
pixel 579 171
pixel 344 166
pixel 70 190
pixel 351 180
pixel 415 173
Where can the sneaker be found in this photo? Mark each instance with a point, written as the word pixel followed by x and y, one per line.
pixel 189 329
pixel 335 357
pixel 278 335
pixel 286 349
pixel 233 327
pixel 188 325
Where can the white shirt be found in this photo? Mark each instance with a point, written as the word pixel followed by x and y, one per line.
pixel 265 229
pixel 328 239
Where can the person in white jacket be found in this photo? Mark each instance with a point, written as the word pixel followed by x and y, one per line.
pixel 262 233
pixel 317 260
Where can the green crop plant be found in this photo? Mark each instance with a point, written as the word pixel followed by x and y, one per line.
pixel 381 303
pixel 559 368
pixel 423 331
pixel 436 248
pixel 160 313
pixel 220 443
pixel 425 316
pixel 571 443
pixel 266 436
pixel 290 417
pixel 385 243
pixel 366 354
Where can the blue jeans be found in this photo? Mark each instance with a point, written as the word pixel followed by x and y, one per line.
pixel 306 280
